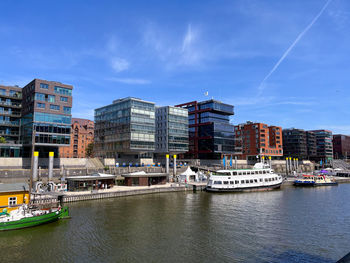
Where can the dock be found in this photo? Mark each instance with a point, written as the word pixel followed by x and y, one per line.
pixel 117 191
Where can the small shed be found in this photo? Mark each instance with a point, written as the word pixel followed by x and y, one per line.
pixel 13 195
pixel 90 182
pixel 145 179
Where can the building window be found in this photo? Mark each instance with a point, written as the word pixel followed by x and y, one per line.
pixel 40 96
pixel 51 98
pixel 40 105
pixel 44 86
pixel 63 91
pixel 54 107
pixel 67 110
pixel 64 99
pixel 12 201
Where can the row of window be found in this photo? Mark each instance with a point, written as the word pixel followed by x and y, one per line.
pixel 246 172
pixel 49 98
pixel 250 181
pixel 66 110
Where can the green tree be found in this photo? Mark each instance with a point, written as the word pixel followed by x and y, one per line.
pixel 2 139
pixel 89 152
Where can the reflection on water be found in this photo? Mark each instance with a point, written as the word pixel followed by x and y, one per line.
pixel 290 225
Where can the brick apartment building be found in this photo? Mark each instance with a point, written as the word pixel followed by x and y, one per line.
pixel 82 134
pixel 258 139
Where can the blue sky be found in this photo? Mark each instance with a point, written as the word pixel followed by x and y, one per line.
pixel 173 52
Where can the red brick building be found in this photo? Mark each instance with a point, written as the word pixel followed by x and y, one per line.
pixel 82 134
pixel 258 139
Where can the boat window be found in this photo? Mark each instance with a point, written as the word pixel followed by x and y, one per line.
pixel 260 172
pixel 248 172
pixel 231 182
pixel 251 181
pixel 242 181
pixel 225 182
pixel 229 178
pixel 224 173
pixel 234 173
pixel 260 179
pixel 217 182
pixel 255 180
pixel 266 180
pixel 210 181
pixel 264 171
pixel 236 182
pixel 247 181
pixel 240 173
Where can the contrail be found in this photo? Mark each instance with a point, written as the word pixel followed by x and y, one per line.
pixel 260 88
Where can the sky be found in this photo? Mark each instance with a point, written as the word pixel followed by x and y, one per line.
pixel 283 63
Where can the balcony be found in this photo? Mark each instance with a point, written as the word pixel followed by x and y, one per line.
pixel 11 104
pixel 9 123
pixel 11 114
pixel 17 96
pixel 12 134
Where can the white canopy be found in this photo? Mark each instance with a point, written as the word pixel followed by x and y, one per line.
pixel 186 175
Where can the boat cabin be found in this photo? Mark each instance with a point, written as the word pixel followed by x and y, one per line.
pixel 244 172
pixel 13 195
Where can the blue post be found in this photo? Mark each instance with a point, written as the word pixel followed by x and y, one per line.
pixel 231 161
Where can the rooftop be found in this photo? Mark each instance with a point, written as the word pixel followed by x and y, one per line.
pixel 15 187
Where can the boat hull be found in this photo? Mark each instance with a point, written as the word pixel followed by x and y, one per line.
pixel 35 220
pixel 244 189
pixel 314 184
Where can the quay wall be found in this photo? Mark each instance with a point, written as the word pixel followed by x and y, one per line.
pixel 103 195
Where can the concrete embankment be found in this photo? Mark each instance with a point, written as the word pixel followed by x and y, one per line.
pixel 112 193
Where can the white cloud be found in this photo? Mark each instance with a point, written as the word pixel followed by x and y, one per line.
pixel 130 81
pixel 119 64
pixel 175 50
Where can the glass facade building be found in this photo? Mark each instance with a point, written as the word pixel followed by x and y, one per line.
pixel 210 133
pixel 44 116
pixel 171 130
pixel 127 126
pixel 324 145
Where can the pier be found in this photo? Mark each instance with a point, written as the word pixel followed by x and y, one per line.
pixel 117 191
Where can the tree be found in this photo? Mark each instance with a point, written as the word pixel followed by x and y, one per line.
pixel 89 152
pixel 2 139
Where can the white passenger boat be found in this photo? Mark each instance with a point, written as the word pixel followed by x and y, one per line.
pixel 260 178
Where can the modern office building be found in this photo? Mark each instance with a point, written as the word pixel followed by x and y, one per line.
pixel 210 133
pixel 341 146
pixel 10 116
pixel 125 130
pixel 324 145
pixel 171 130
pixel 46 113
pixel 258 139
pixel 311 145
pixel 82 134
pixel 295 143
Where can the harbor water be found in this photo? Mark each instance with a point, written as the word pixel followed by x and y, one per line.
pixel 288 225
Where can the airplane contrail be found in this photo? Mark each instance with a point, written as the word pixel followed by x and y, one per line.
pixel 260 88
